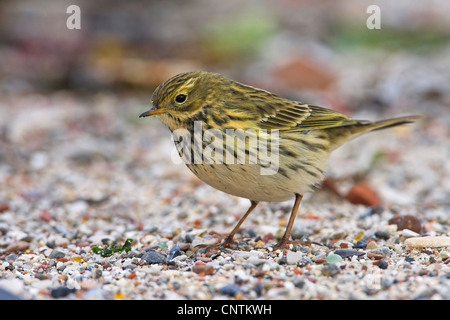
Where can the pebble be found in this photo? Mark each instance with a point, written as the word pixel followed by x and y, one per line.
pixel 202 268
pixel 409 233
pixel 4 207
pixel 384 235
pixel 330 270
pixel 372 245
pixel 153 257
pixel 230 289
pixel 428 242
pixel 375 256
pixel 344 253
pixel 56 254
pixel 333 258
pixel 293 257
pixel 406 222
pixel 61 292
pixel 361 244
pixel 383 251
pixel 174 252
pixel 382 264
pixel 203 242
pixel 96 273
pixel 17 246
pixel 363 194
pixel 320 260
pixel 11 257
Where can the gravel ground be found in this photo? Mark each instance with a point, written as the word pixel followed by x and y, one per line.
pixel 84 174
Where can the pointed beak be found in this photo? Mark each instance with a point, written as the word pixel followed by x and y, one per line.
pixel 151 112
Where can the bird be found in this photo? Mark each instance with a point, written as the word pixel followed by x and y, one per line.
pixel 203 109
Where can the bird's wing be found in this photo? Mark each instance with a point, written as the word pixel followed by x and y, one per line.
pixel 298 116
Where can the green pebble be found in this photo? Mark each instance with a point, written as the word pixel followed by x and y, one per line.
pixel 162 245
pixel 333 258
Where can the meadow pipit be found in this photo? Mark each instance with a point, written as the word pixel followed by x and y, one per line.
pixel 209 108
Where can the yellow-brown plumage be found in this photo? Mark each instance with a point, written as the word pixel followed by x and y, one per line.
pixel 307 134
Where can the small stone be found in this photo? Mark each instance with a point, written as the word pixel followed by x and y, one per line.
pixel 344 253
pixel 409 233
pixel 409 259
pixel 201 268
pixel 384 235
pixel 11 257
pixel 4 207
pixel 61 292
pixel 174 252
pixel 266 238
pixel 330 270
pixel 256 261
pixel 293 257
pixel 96 273
pixel 41 276
pixel 183 246
pixel 77 259
pixel 359 236
pixel 383 251
pixel 375 256
pixel 152 257
pixel 162 245
pixel 339 235
pixel 382 264
pixel 406 222
pixel 363 194
pixel 371 245
pixel 230 290
pixel 320 260
pixel 361 244
pixel 299 282
pixel 119 295
pixel 189 238
pixel 203 242
pixel 46 216
pixel 150 228
pixel 333 258
pixel 17 246
pixel 56 254
pixel 428 242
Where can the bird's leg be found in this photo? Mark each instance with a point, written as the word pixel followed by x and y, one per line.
pixel 284 240
pixel 229 239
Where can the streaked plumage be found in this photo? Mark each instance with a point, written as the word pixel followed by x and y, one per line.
pixel 307 135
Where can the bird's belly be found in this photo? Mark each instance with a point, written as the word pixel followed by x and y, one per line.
pixel 246 181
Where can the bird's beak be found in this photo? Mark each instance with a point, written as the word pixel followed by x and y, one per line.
pixel 152 111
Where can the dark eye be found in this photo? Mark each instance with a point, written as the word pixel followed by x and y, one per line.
pixel 181 98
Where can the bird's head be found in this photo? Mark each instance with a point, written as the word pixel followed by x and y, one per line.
pixel 177 100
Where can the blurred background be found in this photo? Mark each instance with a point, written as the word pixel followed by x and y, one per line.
pixel 70 99
pixel 294 47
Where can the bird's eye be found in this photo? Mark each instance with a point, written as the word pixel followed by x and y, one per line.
pixel 181 98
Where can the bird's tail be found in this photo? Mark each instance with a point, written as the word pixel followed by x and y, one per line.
pixel 339 135
pixel 384 124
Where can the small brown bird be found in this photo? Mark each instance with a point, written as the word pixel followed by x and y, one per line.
pixel 224 131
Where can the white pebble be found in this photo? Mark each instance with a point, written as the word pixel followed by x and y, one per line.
pixel 428 242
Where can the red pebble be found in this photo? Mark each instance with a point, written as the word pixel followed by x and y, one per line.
pixel 363 194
